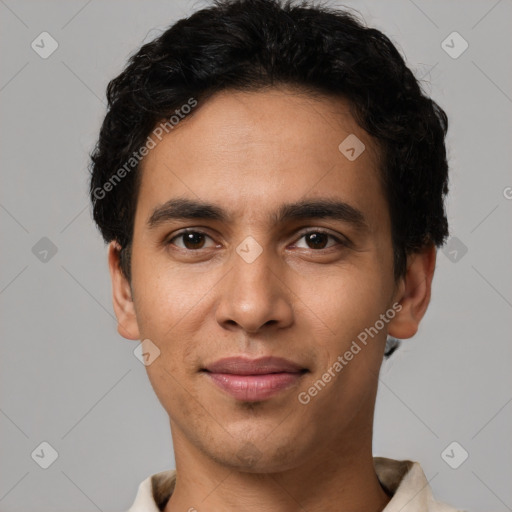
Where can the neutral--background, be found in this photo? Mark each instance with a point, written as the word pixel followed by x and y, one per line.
pixel 67 378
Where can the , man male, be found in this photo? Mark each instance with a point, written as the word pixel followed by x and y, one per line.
pixel 271 182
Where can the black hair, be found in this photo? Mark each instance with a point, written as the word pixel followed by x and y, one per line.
pixel 255 44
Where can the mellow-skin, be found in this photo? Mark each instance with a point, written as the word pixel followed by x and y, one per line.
pixel 249 153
